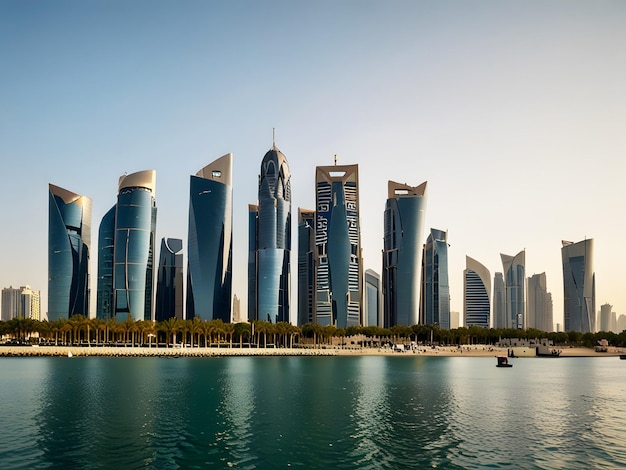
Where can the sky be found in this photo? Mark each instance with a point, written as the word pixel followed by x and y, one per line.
pixel 514 112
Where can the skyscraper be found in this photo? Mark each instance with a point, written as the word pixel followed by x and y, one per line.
pixel 126 250
pixel 209 273
pixel 20 303
pixel 169 291
pixel 435 302
pixel 539 304
pixel 514 278
pixel 373 299
pixel 579 286
pixel 69 242
pixel 306 266
pixel 269 257
pixel 499 302
pixel 476 294
pixel 338 260
pixel 402 254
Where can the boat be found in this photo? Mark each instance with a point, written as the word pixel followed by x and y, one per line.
pixel 69 354
pixel 503 362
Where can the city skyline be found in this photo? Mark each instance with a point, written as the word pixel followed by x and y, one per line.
pixel 502 107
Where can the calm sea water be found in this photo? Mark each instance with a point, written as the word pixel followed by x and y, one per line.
pixel 312 412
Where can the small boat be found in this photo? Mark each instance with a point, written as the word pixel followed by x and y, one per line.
pixel 69 354
pixel 503 362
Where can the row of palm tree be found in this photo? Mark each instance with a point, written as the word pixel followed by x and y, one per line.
pixel 198 333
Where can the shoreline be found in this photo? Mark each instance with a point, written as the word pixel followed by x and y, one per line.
pixel 136 351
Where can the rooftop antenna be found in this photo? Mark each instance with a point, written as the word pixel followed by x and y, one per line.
pixel 274 137
pixel 335 159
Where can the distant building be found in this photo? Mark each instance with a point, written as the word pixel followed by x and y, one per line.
pixel 455 320
pixel 435 298
pixel 621 323
pixel 210 242
pixel 499 302
pixel 476 294
pixel 338 258
pixel 306 266
pixel 539 306
pixel 69 242
pixel 402 253
pixel 373 299
pixel 269 265
pixel 579 286
pixel 169 291
pixel 514 281
pixel 21 303
pixel 237 310
pixel 605 317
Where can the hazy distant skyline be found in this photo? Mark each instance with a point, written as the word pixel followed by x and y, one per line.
pixel 514 113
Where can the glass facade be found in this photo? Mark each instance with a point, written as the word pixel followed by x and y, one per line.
pixel 373 304
pixel 476 294
pixel 514 278
pixel 338 261
pixel 579 286
pixel 269 263
pixel 106 237
pixel 306 266
pixel 169 291
pixel 210 244
pixel 69 242
pixel 499 302
pixel 435 285
pixel 539 307
pixel 402 254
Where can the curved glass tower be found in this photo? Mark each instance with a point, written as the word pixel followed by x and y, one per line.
pixel 514 281
pixel 169 291
pixel 210 244
pixel 69 242
pixel 435 285
pixel 402 256
pixel 476 294
pixel 579 286
pixel 133 251
pixel 338 261
pixel 269 264
pixel 106 237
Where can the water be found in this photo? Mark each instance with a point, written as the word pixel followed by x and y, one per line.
pixel 312 412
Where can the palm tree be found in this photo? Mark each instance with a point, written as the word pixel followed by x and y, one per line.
pixel 195 328
pixel 229 329
pixel 170 327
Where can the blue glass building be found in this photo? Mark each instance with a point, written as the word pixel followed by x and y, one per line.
pixel 69 242
pixel 476 294
pixel 514 282
pixel 270 242
pixel 373 302
pixel 499 302
pixel 338 260
pixel 106 238
pixel 402 256
pixel 306 266
pixel 435 284
pixel 579 286
pixel 210 244
pixel 169 291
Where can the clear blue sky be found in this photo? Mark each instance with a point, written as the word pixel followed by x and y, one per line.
pixel 514 112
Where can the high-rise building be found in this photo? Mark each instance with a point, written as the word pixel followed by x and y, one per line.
pixel 169 290
pixel 269 257
pixel 126 250
pixel 499 303
pixel 69 242
pixel 539 305
pixel 373 299
pixel 605 317
pixel 20 303
pixel 338 259
pixel 435 302
pixel 237 310
pixel 454 320
pixel 579 286
pixel 402 253
pixel 476 294
pixel 514 280
pixel 306 266
pixel 210 244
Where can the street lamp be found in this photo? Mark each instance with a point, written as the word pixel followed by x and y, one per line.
pixel 150 336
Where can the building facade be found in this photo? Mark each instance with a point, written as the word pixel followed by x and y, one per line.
pixel 269 261
pixel 22 302
pixel 435 300
pixel 514 281
pixel 169 289
pixel 539 309
pixel 306 266
pixel 607 318
pixel 210 243
pixel 69 243
pixel 499 302
pixel 405 211
pixel 104 292
pixel 579 286
pixel 338 260
pixel 476 294
pixel 373 299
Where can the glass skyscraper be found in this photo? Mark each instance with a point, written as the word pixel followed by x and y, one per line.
pixel 373 302
pixel 476 294
pixel 435 285
pixel 210 244
pixel 402 254
pixel 338 260
pixel 306 266
pixel 270 254
pixel 579 286
pixel 514 279
pixel 539 307
pixel 499 302
pixel 169 291
pixel 69 242
pixel 126 250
